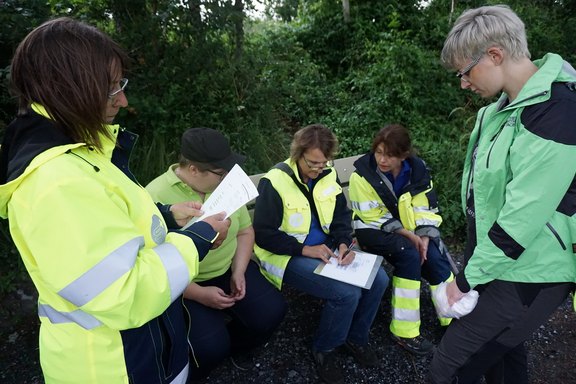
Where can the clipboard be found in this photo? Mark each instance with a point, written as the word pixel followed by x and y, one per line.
pixel 361 272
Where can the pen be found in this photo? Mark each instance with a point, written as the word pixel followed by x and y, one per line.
pixel 349 248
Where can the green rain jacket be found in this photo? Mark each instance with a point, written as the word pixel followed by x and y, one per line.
pixel 523 182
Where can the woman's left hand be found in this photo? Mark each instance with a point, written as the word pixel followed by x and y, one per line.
pixel 424 249
pixel 237 286
pixel 453 293
pixel 186 211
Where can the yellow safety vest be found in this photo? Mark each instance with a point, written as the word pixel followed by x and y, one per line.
pixel 297 215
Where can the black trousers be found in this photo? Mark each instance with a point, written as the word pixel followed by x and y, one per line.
pixel 489 342
pixel 215 334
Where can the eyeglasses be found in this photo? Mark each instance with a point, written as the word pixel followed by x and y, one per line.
pixel 221 173
pixel 123 83
pixel 468 68
pixel 318 164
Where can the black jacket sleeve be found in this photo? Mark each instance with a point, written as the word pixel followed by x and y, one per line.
pixel 341 227
pixel 201 233
pixel 268 218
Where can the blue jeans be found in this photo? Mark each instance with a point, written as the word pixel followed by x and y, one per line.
pixel 348 312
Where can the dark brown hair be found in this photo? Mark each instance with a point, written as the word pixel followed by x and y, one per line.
pixel 183 162
pixel 67 67
pixel 311 137
pixel 396 140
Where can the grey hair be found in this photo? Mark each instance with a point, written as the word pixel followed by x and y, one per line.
pixel 478 29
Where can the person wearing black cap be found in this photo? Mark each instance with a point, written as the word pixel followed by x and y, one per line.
pixel 229 284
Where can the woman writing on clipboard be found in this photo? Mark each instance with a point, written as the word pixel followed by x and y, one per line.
pixel 300 216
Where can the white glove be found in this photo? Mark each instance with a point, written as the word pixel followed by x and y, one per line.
pixel 460 308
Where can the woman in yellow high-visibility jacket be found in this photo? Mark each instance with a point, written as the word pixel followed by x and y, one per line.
pixel 301 218
pixel 396 216
pixel 108 263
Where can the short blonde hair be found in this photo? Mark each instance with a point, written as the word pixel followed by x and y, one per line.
pixel 478 29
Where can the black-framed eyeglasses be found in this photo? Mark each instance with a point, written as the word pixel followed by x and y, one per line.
pixel 221 174
pixel 123 83
pixel 318 164
pixel 466 71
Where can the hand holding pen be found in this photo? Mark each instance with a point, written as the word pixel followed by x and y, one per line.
pixel 348 256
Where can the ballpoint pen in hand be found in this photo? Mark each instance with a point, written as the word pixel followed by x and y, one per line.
pixel 349 249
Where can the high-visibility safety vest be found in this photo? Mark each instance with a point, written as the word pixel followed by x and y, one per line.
pixel 108 274
pixel 377 207
pixel 297 215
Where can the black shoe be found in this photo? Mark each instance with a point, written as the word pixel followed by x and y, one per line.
pixel 417 345
pixel 327 367
pixel 363 354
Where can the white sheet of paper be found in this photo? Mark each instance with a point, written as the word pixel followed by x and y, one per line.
pixel 233 192
pixel 360 272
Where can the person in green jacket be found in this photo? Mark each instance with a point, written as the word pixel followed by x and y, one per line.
pixel 518 194
pixel 232 305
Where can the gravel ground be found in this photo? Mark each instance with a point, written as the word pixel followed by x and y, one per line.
pixel 287 359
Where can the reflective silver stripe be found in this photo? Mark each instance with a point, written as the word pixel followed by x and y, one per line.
pixel 176 268
pixel 358 224
pixel 425 221
pixel 405 314
pixel 78 316
pixel 272 269
pixel 365 205
pixel 425 209
pixel 407 293
pixel 103 274
pixel 298 236
pixel 182 376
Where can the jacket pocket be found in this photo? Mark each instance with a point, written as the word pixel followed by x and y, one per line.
pixel 556 235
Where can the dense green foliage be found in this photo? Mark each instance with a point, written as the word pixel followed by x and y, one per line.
pixel 209 63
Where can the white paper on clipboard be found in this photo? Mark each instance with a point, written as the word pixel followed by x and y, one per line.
pixel 234 191
pixel 361 272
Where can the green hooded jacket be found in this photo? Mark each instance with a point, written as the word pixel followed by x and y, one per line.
pixel 521 166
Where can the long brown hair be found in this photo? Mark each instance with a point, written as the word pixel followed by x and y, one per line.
pixel 67 67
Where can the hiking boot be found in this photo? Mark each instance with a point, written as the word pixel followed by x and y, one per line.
pixel 327 367
pixel 363 354
pixel 417 345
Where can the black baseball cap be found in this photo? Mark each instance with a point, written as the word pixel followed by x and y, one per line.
pixel 207 145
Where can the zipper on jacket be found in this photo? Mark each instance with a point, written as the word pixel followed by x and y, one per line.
pixel 80 157
pixel 495 137
pixel 493 142
pixel 473 157
pixel 551 228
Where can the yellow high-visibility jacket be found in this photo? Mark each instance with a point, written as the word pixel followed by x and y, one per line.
pixel 376 206
pixel 108 274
